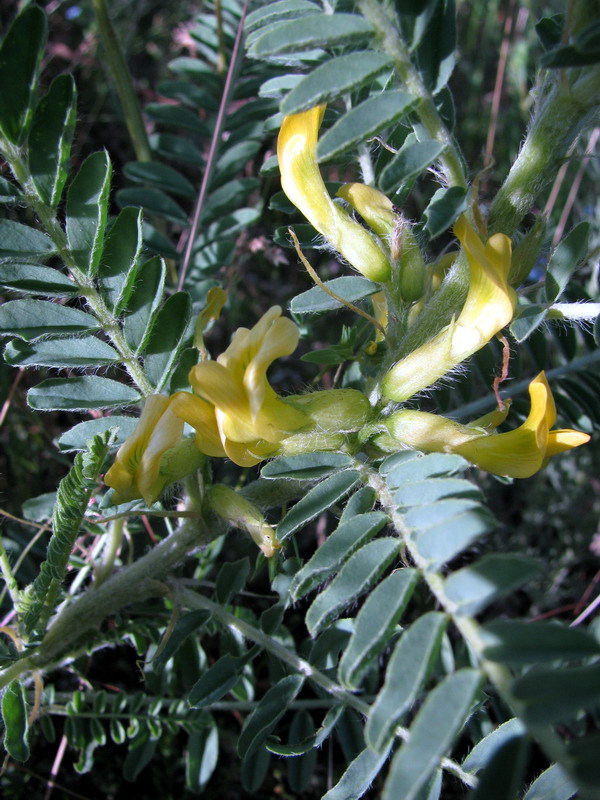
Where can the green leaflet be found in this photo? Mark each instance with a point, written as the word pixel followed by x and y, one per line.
pixel 20 56
pixel 14 717
pixel 154 202
pixel 161 176
pixel 121 259
pixel 23 243
pixel 364 121
pixel 433 731
pixel 305 466
pixel 31 319
pixel 79 393
pixel 50 139
pixel 407 670
pixel 331 79
pixel 351 534
pixel 317 500
pixel 170 332
pixel 375 624
pixel 87 351
pixel 32 279
pixel 359 775
pixel 314 30
pixel 265 716
pixel 144 304
pixel 349 287
pixel 358 574
pixel 87 211
pixel 409 162
pixel 565 260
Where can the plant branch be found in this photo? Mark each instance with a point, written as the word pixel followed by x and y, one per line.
pixel 562 113
pixel 301 666
pixel 499 675
pixel 132 584
pixel 47 216
pixel 214 146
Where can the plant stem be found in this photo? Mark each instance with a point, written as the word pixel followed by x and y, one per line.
pixel 574 312
pixel 385 26
pixel 562 113
pixel 122 78
pixel 130 585
pixel 215 141
pixel 115 539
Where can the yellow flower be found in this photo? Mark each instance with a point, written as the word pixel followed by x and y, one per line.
pixel 302 183
pixel 136 470
pixel 489 307
pixel 516 454
pixel 234 409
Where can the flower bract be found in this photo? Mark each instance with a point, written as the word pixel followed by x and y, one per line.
pixel 136 470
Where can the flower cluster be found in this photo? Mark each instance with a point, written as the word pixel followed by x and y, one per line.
pixel 489 307
pixel 237 414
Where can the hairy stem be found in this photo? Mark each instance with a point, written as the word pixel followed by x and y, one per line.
pixel 562 113
pixel 385 26
pixel 131 584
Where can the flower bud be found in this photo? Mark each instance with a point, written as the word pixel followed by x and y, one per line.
pixel 238 511
pixel 375 208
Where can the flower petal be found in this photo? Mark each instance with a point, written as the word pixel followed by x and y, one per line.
pixel 201 416
pixel 302 183
pixel 124 474
pixel 515 454
pixel 561 440
pixel 215 383
pixel 490 302
pixel 280 340
pixel 488 308
pixel 166 435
